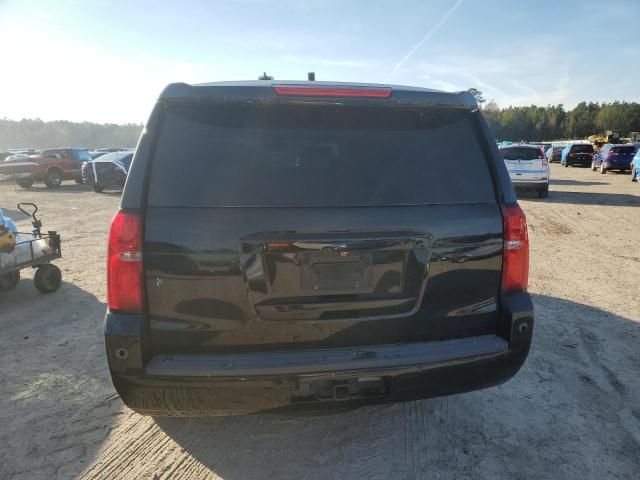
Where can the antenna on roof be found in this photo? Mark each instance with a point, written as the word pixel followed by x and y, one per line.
pixel 311 76
pixel 264 76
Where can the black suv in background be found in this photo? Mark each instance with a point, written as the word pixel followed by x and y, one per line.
pixel 283 243
pixel 577 154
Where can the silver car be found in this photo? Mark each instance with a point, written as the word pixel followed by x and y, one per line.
pixel 528 167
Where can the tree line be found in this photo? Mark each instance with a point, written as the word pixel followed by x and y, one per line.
pixel 35 133
pixel 532 123
pixel 553 122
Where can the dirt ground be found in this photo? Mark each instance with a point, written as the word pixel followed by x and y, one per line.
pixel 572 412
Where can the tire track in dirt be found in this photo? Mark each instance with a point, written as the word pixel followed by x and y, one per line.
pixel 372 454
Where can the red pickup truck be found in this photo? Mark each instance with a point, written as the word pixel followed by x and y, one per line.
pixel 52 166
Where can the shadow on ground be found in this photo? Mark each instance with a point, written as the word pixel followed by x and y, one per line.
pixel 585 198
pixel 111 193
pixel 573 408
pixel 57 404
pixel 64 188
pixel 576 182
pixel 37 189
pixel 16 215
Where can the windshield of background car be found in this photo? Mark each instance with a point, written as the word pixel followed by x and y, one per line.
pixel 83 155
pixel 582 149
pixel 320 155
pixel 114 156
pixel 520 153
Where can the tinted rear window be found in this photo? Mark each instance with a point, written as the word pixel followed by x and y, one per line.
pixel 126 161
pixel 624 150
pixel 582 149
pixel 297 155
pixel 520 153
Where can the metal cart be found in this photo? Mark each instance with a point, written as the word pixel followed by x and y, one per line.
pixel 35 250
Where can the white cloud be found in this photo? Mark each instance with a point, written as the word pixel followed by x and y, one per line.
pixel 529 73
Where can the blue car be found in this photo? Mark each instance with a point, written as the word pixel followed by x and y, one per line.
pixel 635 167
pixel 613 157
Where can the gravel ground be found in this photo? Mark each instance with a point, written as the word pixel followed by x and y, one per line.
pixel 571 413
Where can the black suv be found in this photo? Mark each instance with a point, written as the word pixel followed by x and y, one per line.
pixel 282 243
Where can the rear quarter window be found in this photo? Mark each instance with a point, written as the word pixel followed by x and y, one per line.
pixel 299 155
pixel 624 150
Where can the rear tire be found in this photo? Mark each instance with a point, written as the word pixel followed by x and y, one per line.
pixel 566 164
pixel 9 281
pixel 98 188
pixel 53 178
pixel 633 175
pixel 593 167
pixel 25 182
pixel 48 278
pixel 543 192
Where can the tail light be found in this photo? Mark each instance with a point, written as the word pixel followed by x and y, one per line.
pixel 333 92
pixel 124 264
pixel 543 157
pixel 515 257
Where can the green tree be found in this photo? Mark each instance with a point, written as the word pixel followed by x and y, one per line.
pixel 478 95
pixel 34 133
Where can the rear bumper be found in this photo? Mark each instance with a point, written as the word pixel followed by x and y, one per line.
pixel 196 384
pixel 617 165
pixel 535 184
pixel 585 162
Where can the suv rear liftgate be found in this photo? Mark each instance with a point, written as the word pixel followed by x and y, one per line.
pixel 283 244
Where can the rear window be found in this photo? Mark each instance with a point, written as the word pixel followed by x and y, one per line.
pixel 297 155
pixel 126 161
pixel 582 148
pixel 624 150
pixel 53 154
pixel 520 153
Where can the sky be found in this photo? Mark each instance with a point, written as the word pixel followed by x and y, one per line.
pixel 107 60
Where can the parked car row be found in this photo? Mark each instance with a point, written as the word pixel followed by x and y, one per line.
pixel 528 164
pixel 50 167
pixel 53 166
pixel 610 157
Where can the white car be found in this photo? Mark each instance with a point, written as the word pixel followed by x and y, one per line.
pixel 528 167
